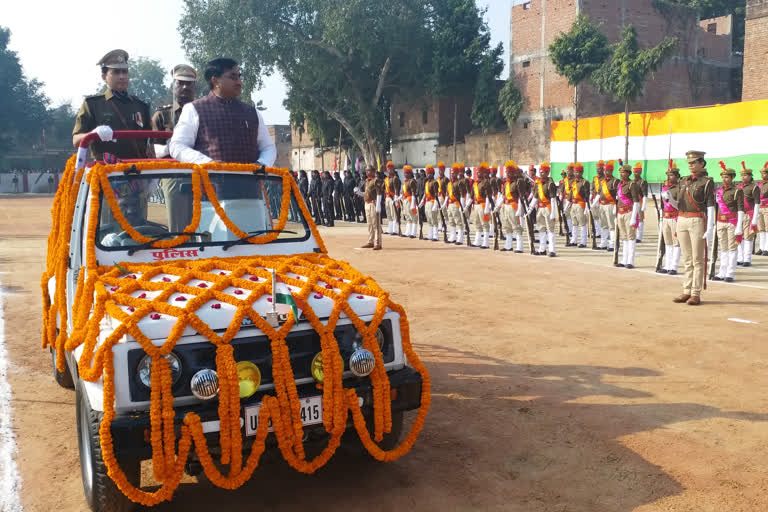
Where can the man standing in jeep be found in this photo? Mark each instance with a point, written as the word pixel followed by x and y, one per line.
pixel 219 127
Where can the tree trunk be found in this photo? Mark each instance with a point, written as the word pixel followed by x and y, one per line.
pixel 455 125
pixel 626 132
pixel 576 124
pixel 338 159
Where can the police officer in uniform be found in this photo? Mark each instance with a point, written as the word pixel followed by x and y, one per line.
pixel 114 109
pixel 373 195
pixel 730 222
pixel 577 201
pixel 166 117
pixel 762 217
pixel 695 225
pixel 642 186
pixel 669 221
pixel 751 212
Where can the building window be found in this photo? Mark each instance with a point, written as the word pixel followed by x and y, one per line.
pixel 527 5
pixel 712 28
pixel 425 116
pixel 525 125
pixel 526 63
pixel 402 119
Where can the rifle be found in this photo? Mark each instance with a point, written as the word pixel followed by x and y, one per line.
pixel 466 225
pixel 661 249
pixel 495 225
pixel 442 219
pixel 616 242
pixel 594 229
pixel 528 223
pixel 399 213
pixel 714 252
pixel 563 219
pixel 421 222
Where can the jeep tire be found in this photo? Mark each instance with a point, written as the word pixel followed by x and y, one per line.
pixel 101 493
pixel 63 379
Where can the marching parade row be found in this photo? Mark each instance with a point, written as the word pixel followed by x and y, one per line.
pixel 713 229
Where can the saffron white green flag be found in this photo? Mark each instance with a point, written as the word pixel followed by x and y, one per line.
pixel 283 295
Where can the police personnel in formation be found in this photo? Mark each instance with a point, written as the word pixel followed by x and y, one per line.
pixel 607 201
pixel 407 199
pixel 392 191
pixel 114 109
pixel 751 212
pixel 762 220
pixel 373 195
pixel 643 191
pixel 577 202
pixel 695 225
pixel 480 216
pixel 454 205
pixel 730 222
pixel 669 221
pixel 594 202
pixel 431 204
pixel 628 205
pixel 512 211
pixel 543 203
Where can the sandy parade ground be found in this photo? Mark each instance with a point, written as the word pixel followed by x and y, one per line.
pixel 558 385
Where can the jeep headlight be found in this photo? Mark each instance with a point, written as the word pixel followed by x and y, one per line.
pixel 379 338
pixel 144 372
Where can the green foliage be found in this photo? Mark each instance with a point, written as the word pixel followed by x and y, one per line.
pixel 625 73
pixel 580 52
pixel 342 59
pixel 510 102
pixel 485 109
pixel 58 129
pixel 23 105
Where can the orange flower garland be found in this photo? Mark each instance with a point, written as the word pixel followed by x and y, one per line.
pixel 103 290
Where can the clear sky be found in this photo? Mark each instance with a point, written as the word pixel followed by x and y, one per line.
pixel 60 42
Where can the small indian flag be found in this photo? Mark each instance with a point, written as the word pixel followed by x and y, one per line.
pixel 283 295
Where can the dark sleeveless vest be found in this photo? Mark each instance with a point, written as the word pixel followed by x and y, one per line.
pixel 228 130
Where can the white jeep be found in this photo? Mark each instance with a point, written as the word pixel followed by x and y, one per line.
pixel 177 296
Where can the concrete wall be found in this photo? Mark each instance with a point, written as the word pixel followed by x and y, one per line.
pixel 282 135
pixel 756 51
pixel 27 182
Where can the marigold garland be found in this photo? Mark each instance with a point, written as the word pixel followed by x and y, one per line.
pixel 147 292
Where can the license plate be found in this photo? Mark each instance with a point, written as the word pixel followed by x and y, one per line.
pixel 311 414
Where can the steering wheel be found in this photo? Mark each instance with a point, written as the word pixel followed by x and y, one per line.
pixel 149 230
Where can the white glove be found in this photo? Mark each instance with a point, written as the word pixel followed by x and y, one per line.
pixel 413 203
pixel 519 212
pixel 444 204
pixel 356 190
pixel 104 132
pixel 739 225
pixel 532 206
pixel 710 223
pixel 613 210
pixel 552 214
pixel 161 150
pixel 566 205
pixel 423 201
pixel 378 204
pixel 756 215
pixel 436 205
pixel 586 209
pixel 487 208
pixel 665 195
pixel 595 200
pixel 633 218
pixel 645 203
pixel 463 203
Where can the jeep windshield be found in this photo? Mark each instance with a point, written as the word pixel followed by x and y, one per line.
pixel 160 206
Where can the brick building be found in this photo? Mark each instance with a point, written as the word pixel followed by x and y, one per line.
pixel 304 154
pixel 756 51
pixel 281 134
pixel 702 70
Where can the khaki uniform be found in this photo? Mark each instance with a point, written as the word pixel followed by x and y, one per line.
pixel 481 222
pixel 627 230
pixel 431 193
pixel 669 220
pixel 607 192
pixel 178 200
pixel 119 112
pixel 455 192
pixel 642 188
pixel 751 201
pixel 511 192
pixel 373 188
pixel 762 219
pixel 409 193
pixel 694 196
pixel 578 197
pixel 726 238
pixel 392 189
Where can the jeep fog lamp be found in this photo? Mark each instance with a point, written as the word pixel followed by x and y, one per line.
pixel 205 384
pixel 316 368
pixel 144 372
pixel 361 362
pixel 249 377
pixel 379 339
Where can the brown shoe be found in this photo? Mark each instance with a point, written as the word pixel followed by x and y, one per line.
pixel 377 248
pixel 694 301
pixel 367 246
pixel 681 299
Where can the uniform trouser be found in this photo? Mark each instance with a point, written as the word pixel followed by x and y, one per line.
pixel 668 230
pixel 596 209
pixel 453 218
pixel 762 220
pixel 746 227
pixel 510 221
pixel 391 210
pixel 579 216
pixel 431 214
pixel 408 215
pixel 726 239
pixel 328 210
pixel 543 220
pixel 690 233
pixel 480 223
pixel 626 230
pixel 374 224
pixel 178 204
pixel 337 206
pixel 607 218
pixel 349 207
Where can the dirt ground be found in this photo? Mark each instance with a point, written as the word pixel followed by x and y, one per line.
pixel 559 385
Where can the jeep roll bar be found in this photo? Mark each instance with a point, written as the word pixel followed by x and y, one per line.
pixel 85 143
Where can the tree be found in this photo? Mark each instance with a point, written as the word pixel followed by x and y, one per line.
pixel 341 59
pixel 23 105
pixel 461 44
pixel 510 105
pixel 485 109
pixel 625 73
pixel 576 56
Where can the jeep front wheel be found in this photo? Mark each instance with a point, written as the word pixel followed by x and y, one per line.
pixel 101 493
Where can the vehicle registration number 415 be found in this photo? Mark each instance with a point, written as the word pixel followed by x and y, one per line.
pixel 311 414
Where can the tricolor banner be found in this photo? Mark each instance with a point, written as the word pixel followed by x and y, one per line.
pixel 732 133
